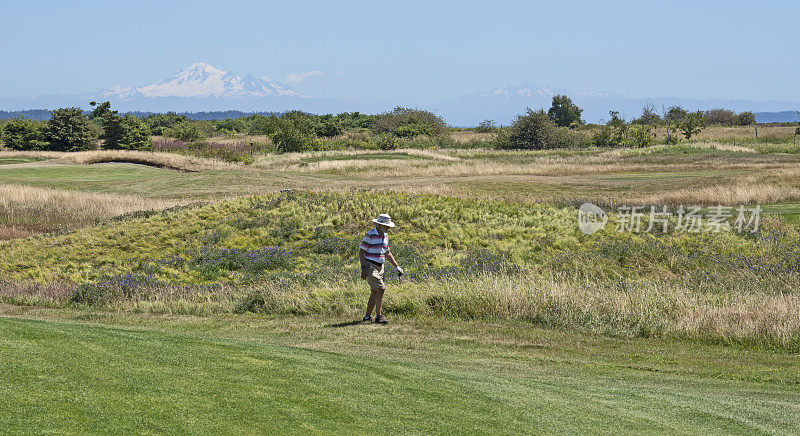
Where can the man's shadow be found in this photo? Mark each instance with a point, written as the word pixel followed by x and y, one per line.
pixel 345 324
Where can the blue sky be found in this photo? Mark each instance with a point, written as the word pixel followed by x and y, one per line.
pixel 410 52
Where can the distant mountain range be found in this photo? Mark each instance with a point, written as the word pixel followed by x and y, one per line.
pixel 202 80
pixel 201 87
pixel 504 103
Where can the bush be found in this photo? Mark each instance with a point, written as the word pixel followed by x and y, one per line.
pixel 69 130
pixel 692 124
pixel 722 117
pixel 675 114
pixel 158 124
pixel 261 125
pixel 405 122
pixel 649 116
pixel 328 129
pixel 24 134
pixel 386 141
pixel 231 125
pixel 563 112
pixel 535 131
pixel 604 137
pixel 486 126
pixel 125 132
pixel 295 134
pixel 746 118
pixel 640 135
pixel 186 131
pixel 412 130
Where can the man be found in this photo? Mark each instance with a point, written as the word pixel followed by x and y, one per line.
pixel 373 252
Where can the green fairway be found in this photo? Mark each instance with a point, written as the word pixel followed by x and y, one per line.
pixel 206 376
pixel 18 160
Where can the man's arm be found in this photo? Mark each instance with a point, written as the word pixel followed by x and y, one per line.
pixel 363 264
pixel 390 256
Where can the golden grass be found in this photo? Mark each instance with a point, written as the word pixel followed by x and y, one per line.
pixel 646 307
pixel 722 133
pixel 295 160
pixel 697 145
pixel 742 193
pixel 162 160
pixel 718 133
pixel 26 209
pixel 469 137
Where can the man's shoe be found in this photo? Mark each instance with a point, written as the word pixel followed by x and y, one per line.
pixel 380 319
pixel 367 318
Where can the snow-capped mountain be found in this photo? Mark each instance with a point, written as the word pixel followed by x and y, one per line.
pixel 201 87
pixel 529 90
pixel 504 103
pixel 203 80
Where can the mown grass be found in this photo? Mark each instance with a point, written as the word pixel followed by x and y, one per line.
pixel 18 160
pixel 322 376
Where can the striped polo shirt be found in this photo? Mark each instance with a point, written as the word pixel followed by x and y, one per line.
pixel 375 246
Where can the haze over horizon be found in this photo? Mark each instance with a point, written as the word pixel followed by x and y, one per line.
pixel 410 54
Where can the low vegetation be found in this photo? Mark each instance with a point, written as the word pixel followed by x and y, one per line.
pixel 294 253
pixel 48 210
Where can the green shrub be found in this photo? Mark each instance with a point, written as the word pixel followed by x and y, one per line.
pixel 261 125
pixel 232 125
pixel 295 133
pixel 125 132
pixel 486 126
pixel 535 131
pixel 563 112
pixel 406 122
pixel 290 139
pixel 692 124
pixel 640 135
pixel 746 118
pixel 69 130
pixel 24 134
pixel 186 131
pixel 412 130
pixel 604 137
pixel 158 124
pixel 386 141
pixel 328 129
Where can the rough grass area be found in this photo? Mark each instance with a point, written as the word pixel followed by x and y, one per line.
pixel 135 375
pixel 160 160
pixel 295 253
pixel 26 210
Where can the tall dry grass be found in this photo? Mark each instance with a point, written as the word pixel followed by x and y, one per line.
pixel 647 308
pixel 469 137
pixel 162 160
pixel 295 161
pixel 739 193
pixel 44 209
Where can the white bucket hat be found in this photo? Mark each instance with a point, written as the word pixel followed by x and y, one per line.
pixel 384 219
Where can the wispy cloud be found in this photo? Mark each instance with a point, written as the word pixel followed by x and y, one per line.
pixel 299 77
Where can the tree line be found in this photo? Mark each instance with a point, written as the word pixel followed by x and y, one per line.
pixel 70 129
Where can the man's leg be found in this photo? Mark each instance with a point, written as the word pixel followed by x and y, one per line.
pixel 371 303
pixel 378 300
